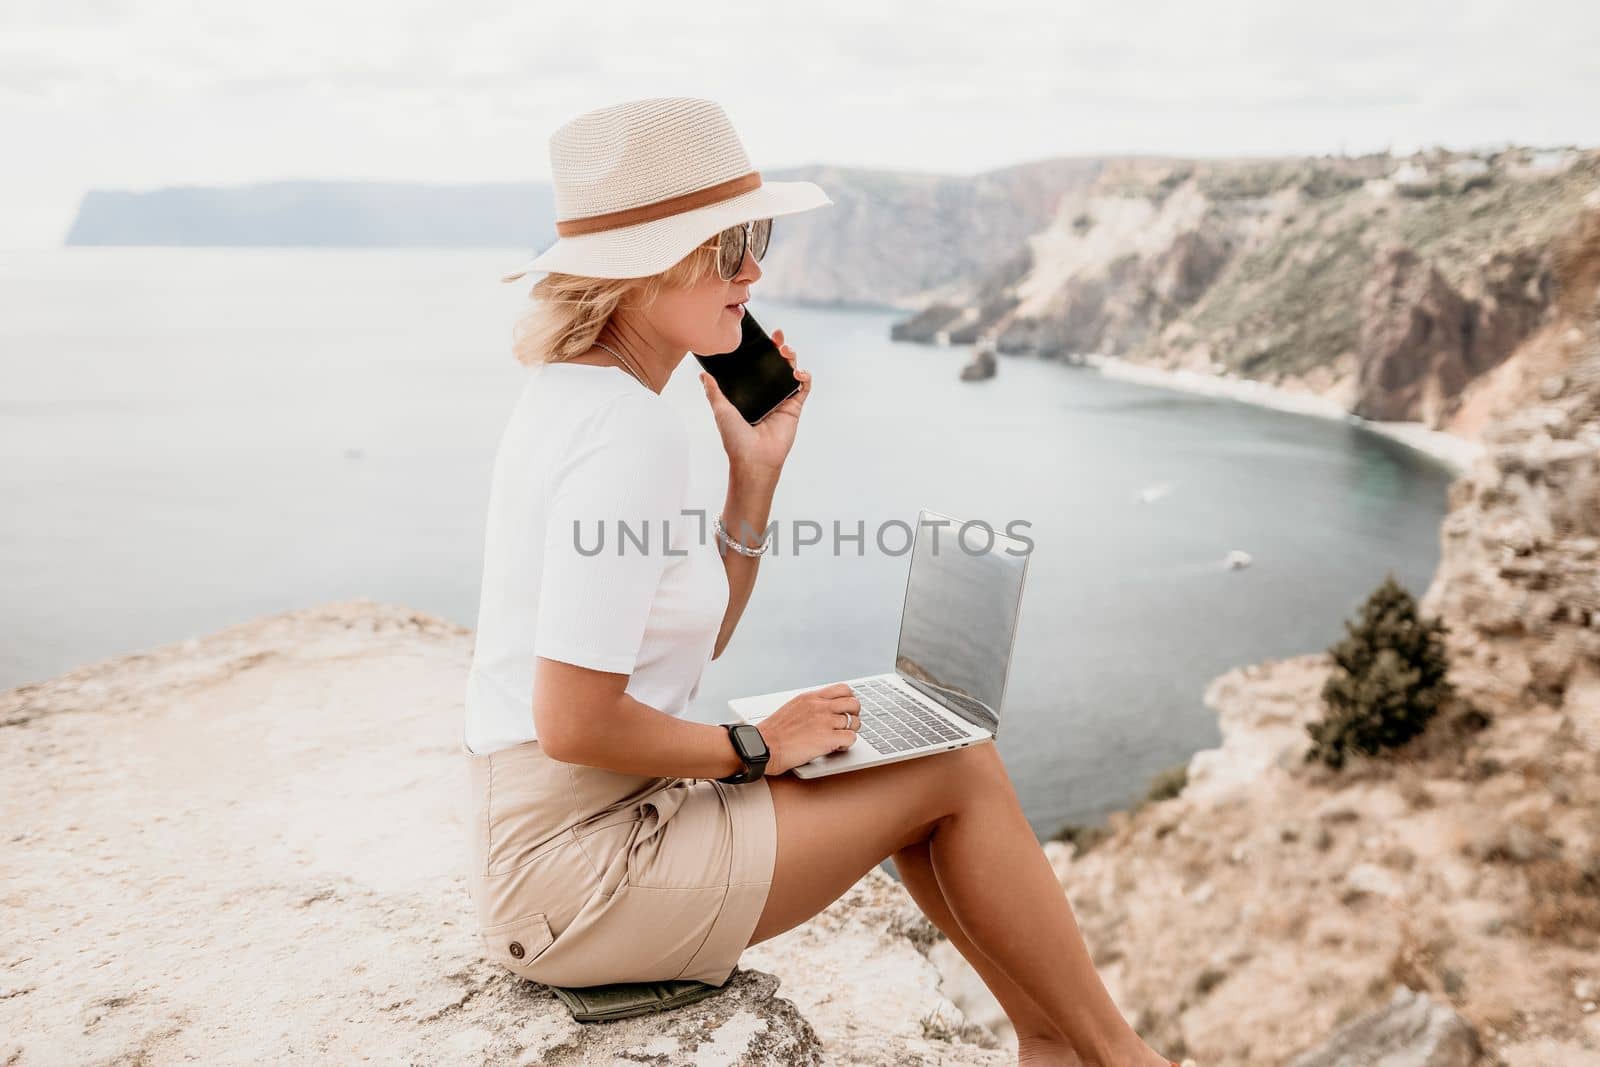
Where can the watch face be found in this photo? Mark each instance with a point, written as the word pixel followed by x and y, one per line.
pixel 751 744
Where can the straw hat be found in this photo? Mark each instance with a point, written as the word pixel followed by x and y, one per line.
pixel 639 184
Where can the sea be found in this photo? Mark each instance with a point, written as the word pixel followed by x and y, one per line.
pixel 191 438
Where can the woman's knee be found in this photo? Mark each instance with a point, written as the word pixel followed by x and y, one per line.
pixel 954 779
pixel 975 763
pixel 920 793
pixel 973 775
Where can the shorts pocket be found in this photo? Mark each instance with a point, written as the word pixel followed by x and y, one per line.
pixel 653 813
pixel 517 944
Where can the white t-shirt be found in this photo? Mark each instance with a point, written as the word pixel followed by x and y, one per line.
pixel 589 443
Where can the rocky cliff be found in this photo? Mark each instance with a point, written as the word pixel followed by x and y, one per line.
pixel 1393 285
pixel 1442 906
pixel 1519 575
pixel 903 238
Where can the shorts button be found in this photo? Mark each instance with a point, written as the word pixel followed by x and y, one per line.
pixel 517 951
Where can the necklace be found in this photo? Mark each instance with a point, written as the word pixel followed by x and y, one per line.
pixel 627 364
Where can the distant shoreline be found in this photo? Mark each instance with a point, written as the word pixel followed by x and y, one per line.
pixel 1455 453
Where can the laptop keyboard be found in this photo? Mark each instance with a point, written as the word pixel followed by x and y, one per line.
pixel 893 722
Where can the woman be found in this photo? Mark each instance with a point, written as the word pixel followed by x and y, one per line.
pixel 613 839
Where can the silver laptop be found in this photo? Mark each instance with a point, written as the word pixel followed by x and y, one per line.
pixel 957 628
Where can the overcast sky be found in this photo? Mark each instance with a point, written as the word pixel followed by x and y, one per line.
pixel 136 94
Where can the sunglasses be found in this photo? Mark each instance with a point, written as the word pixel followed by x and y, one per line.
pixel 732 243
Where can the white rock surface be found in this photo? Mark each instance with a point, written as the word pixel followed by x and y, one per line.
pixel 248 848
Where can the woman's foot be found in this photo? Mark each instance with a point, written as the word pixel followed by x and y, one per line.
pixel 1053 1052
pixel 1045 1052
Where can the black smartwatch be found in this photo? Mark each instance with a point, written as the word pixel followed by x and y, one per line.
pixel 752 749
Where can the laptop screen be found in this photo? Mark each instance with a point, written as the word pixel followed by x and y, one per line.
pixel 960 615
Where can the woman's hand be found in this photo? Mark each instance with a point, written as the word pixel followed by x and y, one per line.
pixel 761 448
pixel 811 725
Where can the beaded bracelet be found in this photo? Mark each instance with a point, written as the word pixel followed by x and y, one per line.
pixel 739 547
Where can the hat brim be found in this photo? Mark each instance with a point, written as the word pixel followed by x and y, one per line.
pixel 651 247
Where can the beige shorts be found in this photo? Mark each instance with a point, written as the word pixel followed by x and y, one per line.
pixel 583 876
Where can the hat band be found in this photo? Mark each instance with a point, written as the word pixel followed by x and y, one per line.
pixel 676 205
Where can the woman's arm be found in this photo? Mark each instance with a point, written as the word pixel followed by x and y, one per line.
pixel 755 460
pixel 744 515
pixel 583 716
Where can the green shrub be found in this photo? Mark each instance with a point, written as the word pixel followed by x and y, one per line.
pixel 1389 679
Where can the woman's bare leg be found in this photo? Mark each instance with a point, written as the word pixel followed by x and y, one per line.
pixel 1038 1040
pixel 988 866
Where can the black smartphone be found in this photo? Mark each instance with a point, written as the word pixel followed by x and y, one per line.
pixel 754 377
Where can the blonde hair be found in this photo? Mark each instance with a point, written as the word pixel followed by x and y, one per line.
pixel 571 309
